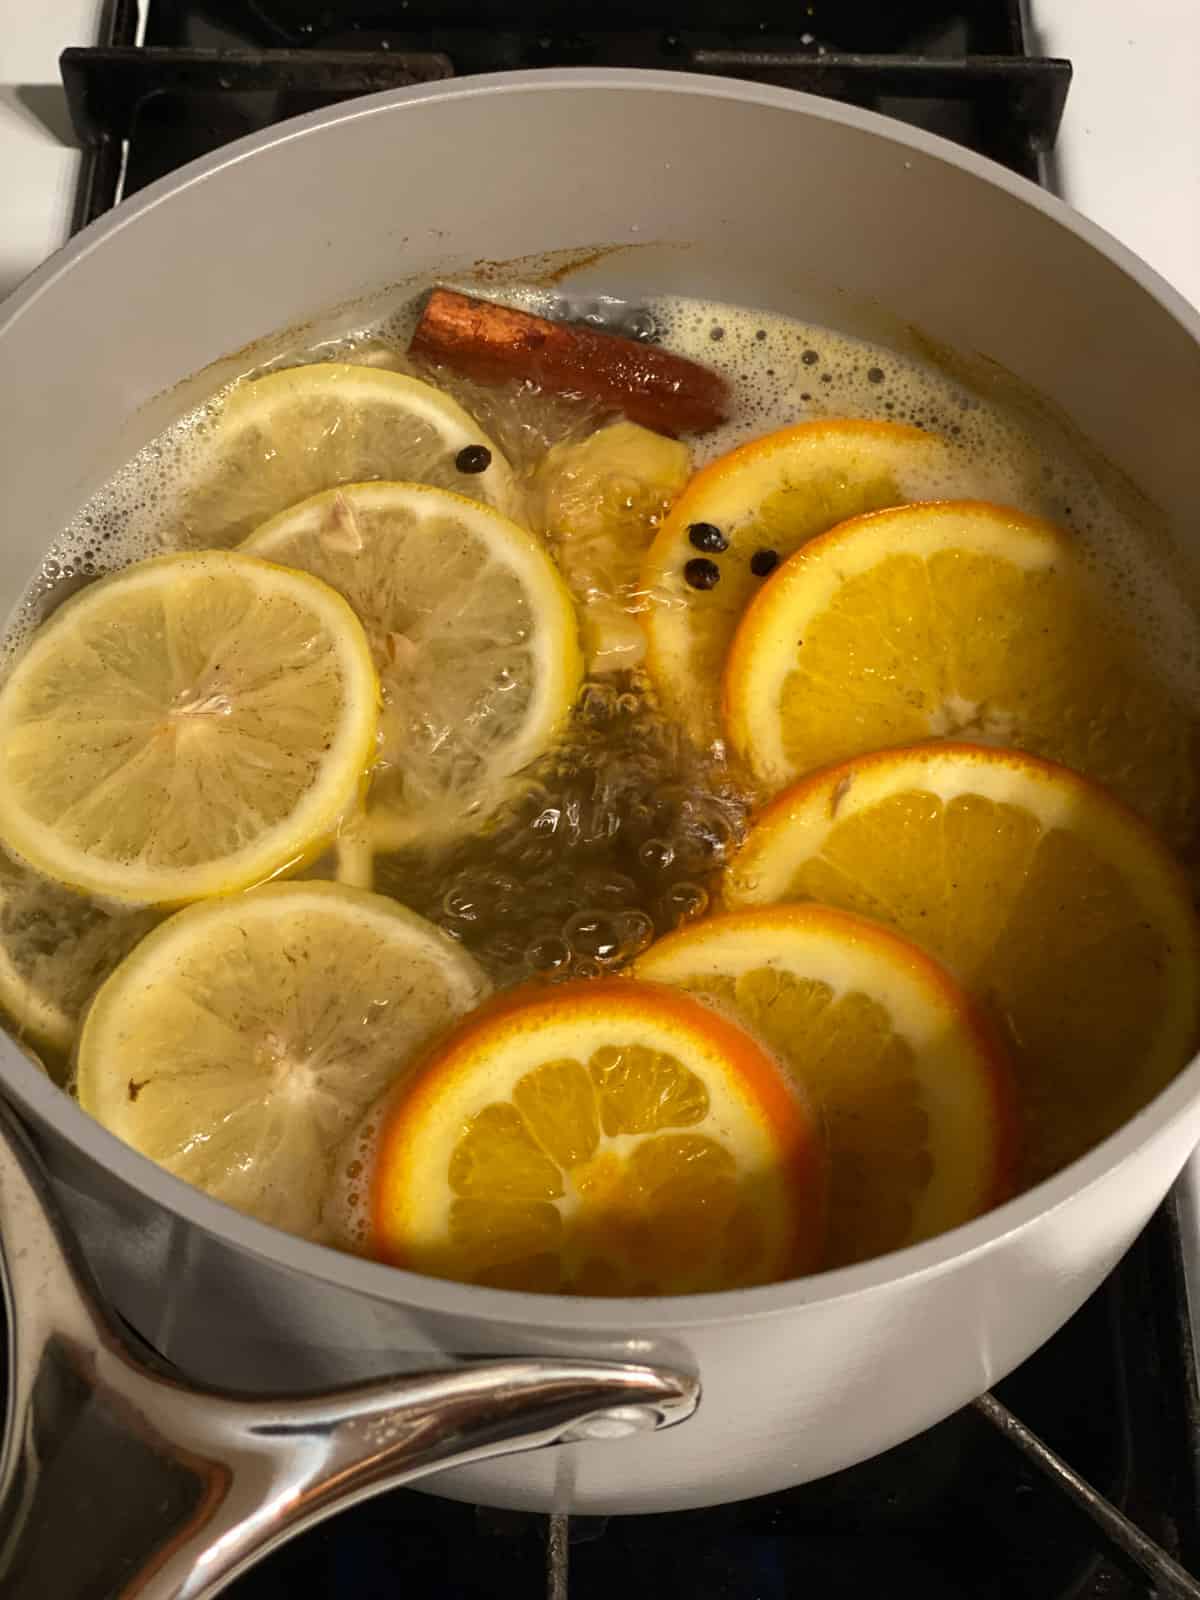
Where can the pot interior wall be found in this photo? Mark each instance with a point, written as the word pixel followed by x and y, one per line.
pixel 703 188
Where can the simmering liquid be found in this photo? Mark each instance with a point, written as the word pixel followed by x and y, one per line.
pixel 617 835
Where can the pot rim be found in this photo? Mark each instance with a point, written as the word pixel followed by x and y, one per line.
pixel 37 1095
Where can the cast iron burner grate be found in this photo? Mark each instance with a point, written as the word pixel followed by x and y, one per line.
pixel 211 72
pixel 954 1514
pixel 957 1513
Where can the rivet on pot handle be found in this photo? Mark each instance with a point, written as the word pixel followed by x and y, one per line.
pixel 119 1482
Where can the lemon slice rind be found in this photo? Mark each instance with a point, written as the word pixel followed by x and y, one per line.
pixel 297 1003
pixel 45 932
pixel 295 414
pixel 312 822
pixel 504 548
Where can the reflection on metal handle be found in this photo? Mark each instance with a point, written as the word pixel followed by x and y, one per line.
pixel 119 1482
pixel 1168 1578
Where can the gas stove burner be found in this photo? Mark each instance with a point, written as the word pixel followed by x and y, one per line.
pixel 958 1513
pixel 209 73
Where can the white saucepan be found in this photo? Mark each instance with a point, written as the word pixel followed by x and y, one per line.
pixel 731 191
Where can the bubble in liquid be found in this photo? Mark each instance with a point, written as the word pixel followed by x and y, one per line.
pixel 707 832
pixel 636 931
pixel 508 950
pixel 548 955
pixel 595 936
pixel 686 901
pixel 460 904
pixel 657 854
pixel 641 325
pixel 597 701
pixel 609 889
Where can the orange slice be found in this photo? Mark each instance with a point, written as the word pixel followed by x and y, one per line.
pixel 1052 904
pixel 915 1096
pixel 962 619
pixel 605 1137
pixel 762 501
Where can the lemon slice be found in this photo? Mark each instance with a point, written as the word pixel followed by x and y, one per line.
pixel 959 618
pixel 915 1098
pixel 600 500
pixel 189 726
pixel 604 1137
pixel 1051 903
pixel 473 635
pixel 279 439
pixel 56 948
pixel 243 1038
pixel 743 514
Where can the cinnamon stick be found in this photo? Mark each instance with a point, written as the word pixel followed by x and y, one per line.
pixel 494 343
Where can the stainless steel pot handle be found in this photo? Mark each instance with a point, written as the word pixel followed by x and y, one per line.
pixel 120 1482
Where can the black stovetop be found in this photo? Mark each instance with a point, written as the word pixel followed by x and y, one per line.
pixel 957 1512
pixel 213 70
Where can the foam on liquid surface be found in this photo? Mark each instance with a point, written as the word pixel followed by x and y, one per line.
pixel 617 834
pixel 780 372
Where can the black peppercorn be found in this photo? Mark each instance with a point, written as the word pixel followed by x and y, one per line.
pixel 707 536
pixel 473 458
pixel 764 561
pixel 702 574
